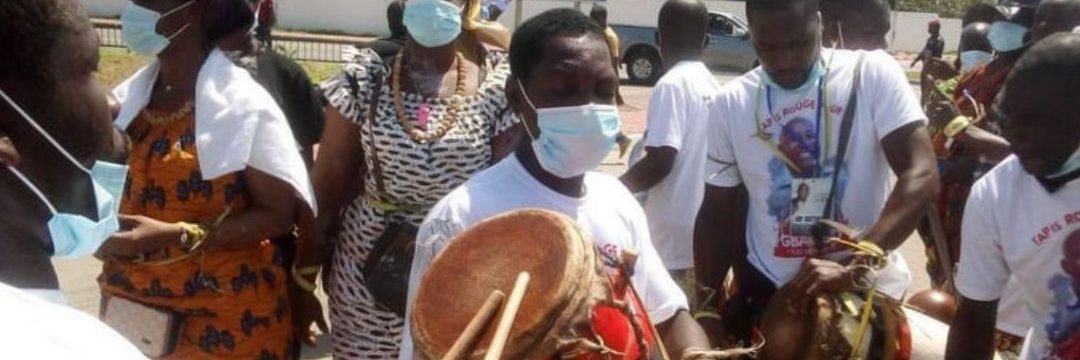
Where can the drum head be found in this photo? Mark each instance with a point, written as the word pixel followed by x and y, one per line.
pixel 488 257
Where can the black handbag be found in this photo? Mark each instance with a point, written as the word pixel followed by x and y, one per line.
pixel 386 269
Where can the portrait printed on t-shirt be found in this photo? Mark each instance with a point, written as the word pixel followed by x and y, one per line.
pixel 800 181
pixel 1065 319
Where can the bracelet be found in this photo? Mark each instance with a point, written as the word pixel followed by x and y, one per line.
pixel 871 248
pixel 300 281
pixel 956 126
pixel 192 237
pixel 309 270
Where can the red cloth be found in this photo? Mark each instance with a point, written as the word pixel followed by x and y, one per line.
pixel 266 13
pixel 983 84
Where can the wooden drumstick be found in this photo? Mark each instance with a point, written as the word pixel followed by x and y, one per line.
pixel 629 258
pixel 502 331
pixel 476 326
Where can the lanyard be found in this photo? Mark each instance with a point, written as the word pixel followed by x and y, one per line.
pixel 821 112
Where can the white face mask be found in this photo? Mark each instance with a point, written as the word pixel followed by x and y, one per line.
pixel 573 139
pixel 75 236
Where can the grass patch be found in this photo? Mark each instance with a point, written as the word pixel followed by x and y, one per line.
pixel 913 76
pixel 319 71
pixel 118 64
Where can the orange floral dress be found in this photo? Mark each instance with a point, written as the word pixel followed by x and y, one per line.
pixel 233 303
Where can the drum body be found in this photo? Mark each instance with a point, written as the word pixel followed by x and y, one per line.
pixel 828 329
pixel 571 309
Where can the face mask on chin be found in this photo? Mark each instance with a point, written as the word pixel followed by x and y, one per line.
pixel 969 60
pixel 1070 165
pixel 816 71
pixel 73 235
pixel 573 139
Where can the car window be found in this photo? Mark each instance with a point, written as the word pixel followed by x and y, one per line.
pixel 719 26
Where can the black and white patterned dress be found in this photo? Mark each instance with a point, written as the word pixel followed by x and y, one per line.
pixel 415 175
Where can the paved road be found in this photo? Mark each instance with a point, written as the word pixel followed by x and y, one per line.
pixel 78 277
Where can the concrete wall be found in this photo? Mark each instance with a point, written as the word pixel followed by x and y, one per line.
pixel 103 8
pixel 369 16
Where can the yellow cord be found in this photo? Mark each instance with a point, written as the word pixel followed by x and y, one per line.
pixel 873 250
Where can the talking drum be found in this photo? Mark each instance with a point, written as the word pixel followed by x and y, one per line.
pixel 830 328
pixel 572 309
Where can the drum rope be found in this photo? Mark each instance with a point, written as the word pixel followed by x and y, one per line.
pixel 735 353
pixel 877 256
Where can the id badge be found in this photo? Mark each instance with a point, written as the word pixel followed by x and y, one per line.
pixel 808 198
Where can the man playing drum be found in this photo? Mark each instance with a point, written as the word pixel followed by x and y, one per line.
pixel 778 129
pixel 563 87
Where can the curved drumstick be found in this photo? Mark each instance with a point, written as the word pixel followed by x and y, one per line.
pixel 629 258
pixel 502 331
pixel 476 326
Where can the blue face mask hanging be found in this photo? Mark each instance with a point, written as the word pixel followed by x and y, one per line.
pixel 1006 36
pixel 971 59
pixel 75 236
pixel 816 71
pixel 1071 164
pixel 432 23
pixel 573 139
pixel 139 28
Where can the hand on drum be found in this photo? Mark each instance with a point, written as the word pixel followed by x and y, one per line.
pixel 815 278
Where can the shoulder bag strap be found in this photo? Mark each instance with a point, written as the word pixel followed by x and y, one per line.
pixel 376 167
pixel 820 232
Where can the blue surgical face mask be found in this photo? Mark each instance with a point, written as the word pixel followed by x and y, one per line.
pixel 1006 36
pixel 139 28
pixel 969 60
pixel 816 71
pixel 1070 165
pixel 75 236
pixel 573 139
pixel 432 23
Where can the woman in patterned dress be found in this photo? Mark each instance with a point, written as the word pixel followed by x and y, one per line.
pixel 213 173
pixel 451 97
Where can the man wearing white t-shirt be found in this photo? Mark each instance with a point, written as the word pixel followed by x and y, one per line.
pixel 675 142
pixel 1022 219
pixel 776 131
pixel 562 86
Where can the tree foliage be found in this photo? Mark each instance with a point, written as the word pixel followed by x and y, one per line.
pixel 944 8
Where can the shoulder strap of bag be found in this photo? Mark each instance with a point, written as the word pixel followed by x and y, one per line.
pixel 376 167
pixel 841 148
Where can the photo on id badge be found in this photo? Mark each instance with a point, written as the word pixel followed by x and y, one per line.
pixel 800 184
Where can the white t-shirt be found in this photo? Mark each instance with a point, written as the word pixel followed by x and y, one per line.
pixel 738 155
pixel 1014 227
pixel 678 118
pixel 1012 314
pixel 32 328
pixel 608 212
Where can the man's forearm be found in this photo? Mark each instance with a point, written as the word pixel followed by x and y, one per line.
pixel 651 170
pixel 904 209
pixel 680 333
pixel 911 157
pixel 995 148
pixel 642 176
pixel 972 333
pixel 719 236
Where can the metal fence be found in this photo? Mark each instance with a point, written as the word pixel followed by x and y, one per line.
pixel 307 47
